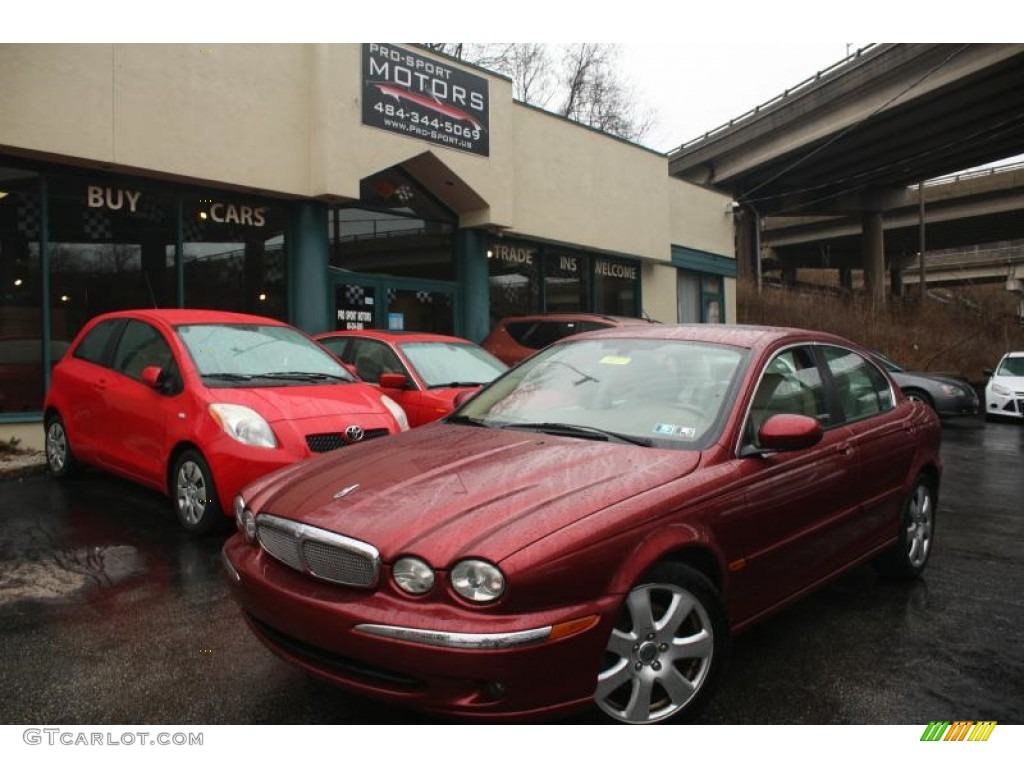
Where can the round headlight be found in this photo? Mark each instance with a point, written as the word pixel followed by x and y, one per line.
pixel 478 581
pixel 412 575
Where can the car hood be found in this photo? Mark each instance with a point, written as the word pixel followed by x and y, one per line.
pixel 294 403
pixel 1008 381
pixel 445 491
pixel 923 379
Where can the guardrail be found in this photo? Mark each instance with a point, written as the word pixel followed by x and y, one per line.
pixel 799 87
pixel 972 174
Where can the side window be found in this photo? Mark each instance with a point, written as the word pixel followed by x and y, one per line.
pixel 790 383
pixel 371 359
pixel 94 346
pixel 141 346
pixel 337 347
pixel 862 389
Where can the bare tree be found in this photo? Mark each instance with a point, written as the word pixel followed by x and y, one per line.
pixel 583 78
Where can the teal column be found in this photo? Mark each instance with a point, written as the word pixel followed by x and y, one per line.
pixel 474 295
pixel 309 297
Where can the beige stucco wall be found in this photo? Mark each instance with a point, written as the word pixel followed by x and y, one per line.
pixel 285 119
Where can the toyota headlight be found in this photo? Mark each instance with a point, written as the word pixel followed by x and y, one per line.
pixel 243 424
pixel 478 581
pixel 397 411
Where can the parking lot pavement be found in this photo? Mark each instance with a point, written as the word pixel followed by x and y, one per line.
pixel 109 613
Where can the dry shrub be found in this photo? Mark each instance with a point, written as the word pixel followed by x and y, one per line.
pixel 964 333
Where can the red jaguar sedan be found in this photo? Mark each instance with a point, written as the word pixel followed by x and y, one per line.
pixel 593 526
pixel 422 372
pixel 197 403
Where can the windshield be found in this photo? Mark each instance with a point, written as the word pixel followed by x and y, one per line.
pixel 1012 366
pixel 442 364
pixel 657 392
pixel 265 355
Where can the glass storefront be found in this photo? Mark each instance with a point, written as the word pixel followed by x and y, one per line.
pixel 234 256
pixel 21 293
pixel 526 277
pixel 112 242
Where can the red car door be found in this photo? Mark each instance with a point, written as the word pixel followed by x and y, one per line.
pixel 136 414
pixel 795 498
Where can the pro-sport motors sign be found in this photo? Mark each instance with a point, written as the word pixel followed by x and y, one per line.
pixel 410 94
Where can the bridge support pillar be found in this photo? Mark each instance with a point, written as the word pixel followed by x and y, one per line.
pixel 874 255
pixel 895 280
pixel 846 279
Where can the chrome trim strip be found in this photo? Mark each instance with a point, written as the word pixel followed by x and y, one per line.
pixel 302 532
pixel 487 642
pixel 230 568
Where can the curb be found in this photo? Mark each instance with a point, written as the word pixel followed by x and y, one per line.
pixel 15 471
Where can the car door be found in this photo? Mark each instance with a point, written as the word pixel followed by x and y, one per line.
pixel 83 378
pixel 882 435
pixel 793 498
pixel 136 413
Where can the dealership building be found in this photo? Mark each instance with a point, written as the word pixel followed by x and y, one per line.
pixel 327 185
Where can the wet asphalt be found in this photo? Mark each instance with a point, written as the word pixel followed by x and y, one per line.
pixel 110 614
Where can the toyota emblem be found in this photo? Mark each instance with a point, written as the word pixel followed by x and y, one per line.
pixel 354 433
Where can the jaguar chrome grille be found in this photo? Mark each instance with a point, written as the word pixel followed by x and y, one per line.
pixel 319 553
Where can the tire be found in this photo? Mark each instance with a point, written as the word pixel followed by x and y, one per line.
pixel 59 457
pixel 667 649
pixel 907 560
pixel 195 495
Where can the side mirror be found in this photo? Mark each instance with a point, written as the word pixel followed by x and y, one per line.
pixel 789 432
pixel 988 372
pixel 153 376
pixel 393 381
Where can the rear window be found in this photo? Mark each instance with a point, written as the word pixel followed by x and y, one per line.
pixel 537 334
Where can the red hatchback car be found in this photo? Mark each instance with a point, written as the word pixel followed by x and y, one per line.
pixel 197 403
pixel 422 372
pixel 593 526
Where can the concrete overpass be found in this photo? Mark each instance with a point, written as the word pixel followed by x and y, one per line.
pixel 843 147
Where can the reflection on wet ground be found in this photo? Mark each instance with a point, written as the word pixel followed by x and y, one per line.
pixel 109 613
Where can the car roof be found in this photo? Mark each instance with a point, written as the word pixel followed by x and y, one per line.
pixel 393 336
pixel 190 316
pixel 745 336
pixel 569 316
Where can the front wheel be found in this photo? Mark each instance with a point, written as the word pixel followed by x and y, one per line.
pixel 59 458
pixel 667 648
pixel 917 528
pixel 194 494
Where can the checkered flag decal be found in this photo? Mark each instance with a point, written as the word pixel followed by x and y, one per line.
pixel 424 297
pixel 354 295
pixel 392 295
pixel 193 230
pixel 150 210
pixel 96 225
pixel 28 216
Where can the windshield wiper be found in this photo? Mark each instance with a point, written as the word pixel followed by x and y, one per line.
pixel 577 430
pixel 223 375
pixel 466 420
pixel 457 384
pixel 302 376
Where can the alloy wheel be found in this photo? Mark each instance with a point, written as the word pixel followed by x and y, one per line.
pixel 192 492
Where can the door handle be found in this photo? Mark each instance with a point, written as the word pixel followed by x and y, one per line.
pixel 845 449
pixel 100 384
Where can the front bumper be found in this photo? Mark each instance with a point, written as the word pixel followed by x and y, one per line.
pixel 1008 406
pixel 957 405
pixel 433 656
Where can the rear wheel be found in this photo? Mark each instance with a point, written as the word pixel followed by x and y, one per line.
pixel 909 557
pixel 194 494
pixel 666 650
pixel 59 458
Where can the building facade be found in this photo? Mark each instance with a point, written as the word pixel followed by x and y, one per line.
pixel 328 185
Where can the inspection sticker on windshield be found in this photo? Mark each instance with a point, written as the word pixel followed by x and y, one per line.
pixel 614 360
pixel 674 430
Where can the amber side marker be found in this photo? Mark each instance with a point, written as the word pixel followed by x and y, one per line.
pixel 567 628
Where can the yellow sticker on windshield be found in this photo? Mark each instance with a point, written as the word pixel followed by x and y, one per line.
pixel 615 360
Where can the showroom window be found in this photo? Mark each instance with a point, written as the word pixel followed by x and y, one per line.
pixel 22 384
pixel 234 255
pixel 111 246
pixel 616 287
pixel 565 282
pixel 513 278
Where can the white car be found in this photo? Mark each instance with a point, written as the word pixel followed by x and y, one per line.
pixel 1004 393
